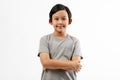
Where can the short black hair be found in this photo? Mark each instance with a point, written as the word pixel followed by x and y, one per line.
pixel 57 8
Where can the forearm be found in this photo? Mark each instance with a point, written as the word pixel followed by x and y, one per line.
pixel 48 63
pixel 58 64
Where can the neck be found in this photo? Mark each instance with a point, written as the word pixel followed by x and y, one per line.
pixel 60 35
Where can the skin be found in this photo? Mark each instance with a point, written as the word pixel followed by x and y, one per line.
pixel 60 22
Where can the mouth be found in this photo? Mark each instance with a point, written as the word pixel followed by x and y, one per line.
pixel 60 27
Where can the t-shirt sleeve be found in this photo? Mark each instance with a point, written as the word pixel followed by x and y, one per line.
pixel 43 45
pixel 77 49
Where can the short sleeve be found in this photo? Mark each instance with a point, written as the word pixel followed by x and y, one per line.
pixel 77 49
pixel 43 45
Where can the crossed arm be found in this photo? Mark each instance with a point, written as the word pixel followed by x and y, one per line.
pixel 48 63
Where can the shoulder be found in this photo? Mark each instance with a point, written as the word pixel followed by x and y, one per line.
pixel 75 39
pixel 46 37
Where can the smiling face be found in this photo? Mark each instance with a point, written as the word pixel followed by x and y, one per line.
pixel 60 21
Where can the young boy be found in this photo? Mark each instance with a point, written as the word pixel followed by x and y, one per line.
pixel 59 52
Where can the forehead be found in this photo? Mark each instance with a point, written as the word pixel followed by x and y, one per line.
pixel 61 13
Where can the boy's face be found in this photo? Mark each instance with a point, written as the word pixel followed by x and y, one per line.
pixel 60 21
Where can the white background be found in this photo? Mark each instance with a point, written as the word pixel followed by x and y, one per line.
pixel 95 22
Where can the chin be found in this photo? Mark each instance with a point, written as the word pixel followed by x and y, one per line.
pixel 60 30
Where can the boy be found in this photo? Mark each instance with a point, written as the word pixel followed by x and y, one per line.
pixel 59 52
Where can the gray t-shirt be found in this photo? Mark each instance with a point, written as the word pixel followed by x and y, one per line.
pixel 60 49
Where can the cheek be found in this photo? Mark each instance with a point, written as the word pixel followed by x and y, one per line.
pixel 66 23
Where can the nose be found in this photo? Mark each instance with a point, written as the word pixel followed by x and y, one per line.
pixel 60 21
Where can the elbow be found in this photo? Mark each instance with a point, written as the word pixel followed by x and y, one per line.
pixel 45 64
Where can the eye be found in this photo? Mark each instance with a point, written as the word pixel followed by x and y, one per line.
pixel 63 18
pixel 56 19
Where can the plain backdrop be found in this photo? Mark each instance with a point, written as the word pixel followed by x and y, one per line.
pixel 95 22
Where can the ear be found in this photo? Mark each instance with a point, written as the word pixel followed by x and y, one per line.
pixel 50 22
pixel 70 21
